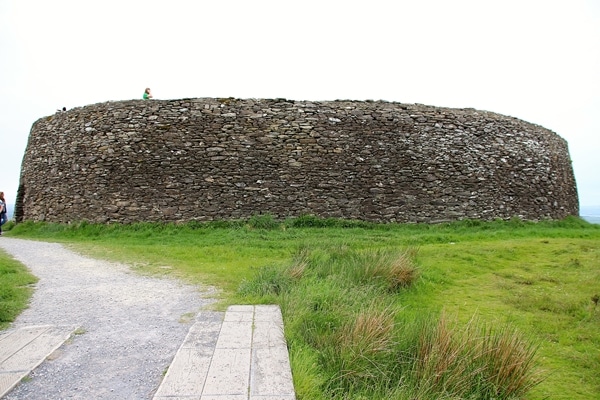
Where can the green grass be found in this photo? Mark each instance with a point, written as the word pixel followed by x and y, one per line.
pixel 15 289
pixel 542 286
pixel 528 284
pixel 345 307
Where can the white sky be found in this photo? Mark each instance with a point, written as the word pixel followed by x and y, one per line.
pixel 538 60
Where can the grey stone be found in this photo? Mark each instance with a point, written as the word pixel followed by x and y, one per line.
pixel 433 154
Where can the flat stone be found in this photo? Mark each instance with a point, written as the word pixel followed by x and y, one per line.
pixel 229 372
pixel 22 350
pixel 186 376
pixel 241 355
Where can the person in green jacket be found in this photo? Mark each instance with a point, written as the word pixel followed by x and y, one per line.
pixel 147 94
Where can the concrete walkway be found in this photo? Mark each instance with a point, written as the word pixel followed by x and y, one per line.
pixel 241 355
pixel 22 350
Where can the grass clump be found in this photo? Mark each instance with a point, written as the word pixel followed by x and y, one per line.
pixel 394 270
pixel 15 288
pixel 343 317
pixel 472 361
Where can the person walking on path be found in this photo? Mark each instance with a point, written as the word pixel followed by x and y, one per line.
pixel 147 94
pixel 3 217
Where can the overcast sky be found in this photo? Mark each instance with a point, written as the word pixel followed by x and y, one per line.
pixel 537 60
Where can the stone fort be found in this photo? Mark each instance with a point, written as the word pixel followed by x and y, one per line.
pixel 208 159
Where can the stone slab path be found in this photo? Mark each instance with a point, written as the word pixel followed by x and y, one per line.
pixel 239 356
pixel 247 361
pixel 22 350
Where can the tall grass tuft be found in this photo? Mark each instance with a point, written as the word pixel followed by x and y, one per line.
pixel 442 362
pixel 268 281
pixel 474 361
pixel 395 269
pixel 342 316
pixel 273 280
pixel 507 362
pixel 364 344
pixel 390 269
pixel 299 264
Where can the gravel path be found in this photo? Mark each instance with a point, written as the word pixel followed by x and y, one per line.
pixel 131 325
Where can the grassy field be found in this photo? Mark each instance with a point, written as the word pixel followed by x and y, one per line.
pixel 532 286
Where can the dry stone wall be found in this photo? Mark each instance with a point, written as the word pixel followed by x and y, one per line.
pixel 206 159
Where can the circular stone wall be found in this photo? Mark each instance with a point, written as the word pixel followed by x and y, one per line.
pixel 206 159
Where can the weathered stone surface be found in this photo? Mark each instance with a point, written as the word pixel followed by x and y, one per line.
pixel 205 159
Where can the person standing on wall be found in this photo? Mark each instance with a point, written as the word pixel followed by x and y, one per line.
pixel 3 217
pixel 147 94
